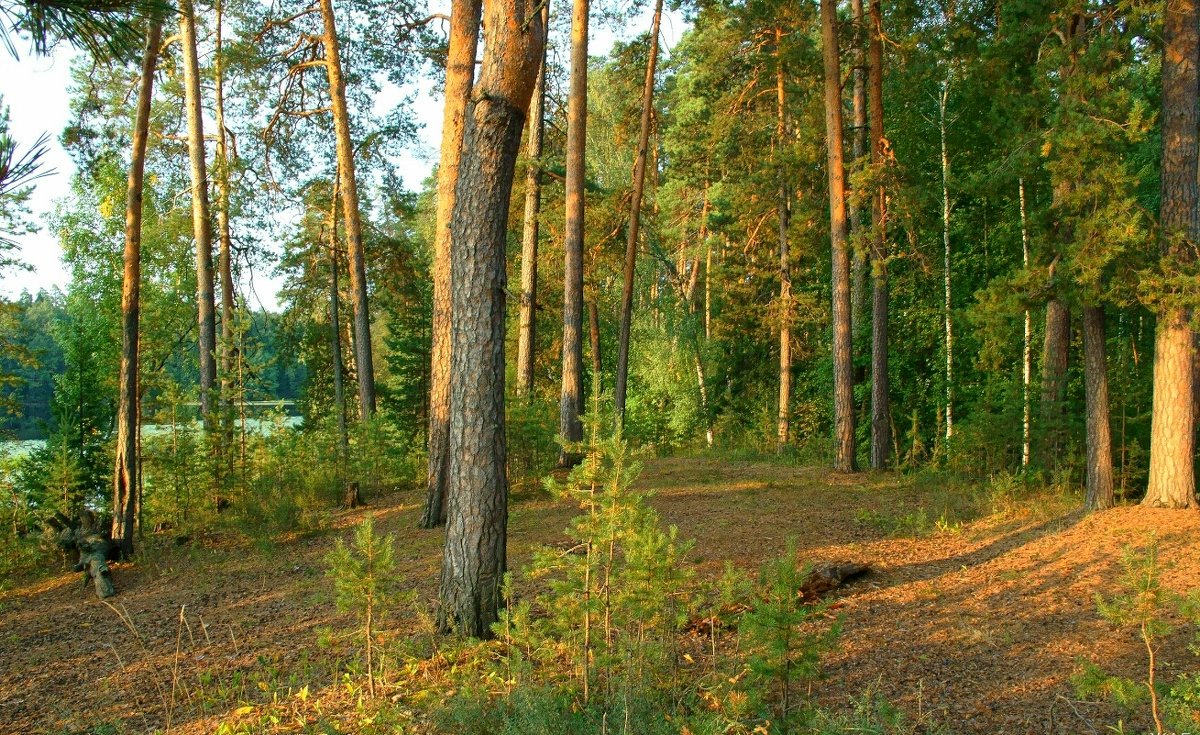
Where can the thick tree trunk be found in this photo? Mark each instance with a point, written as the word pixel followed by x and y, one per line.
pixel 201 222
pixel 351 214
pixel 571 402
pixel 125 480
pixel 527 336
pixel 858 217
pixel 784 425
pixel 460 75
pixel 1172 481
pixel 1055 354
pixel 843 355
pixel 474 562
pixel 635 209
pixel 1099 432
pixel 881 418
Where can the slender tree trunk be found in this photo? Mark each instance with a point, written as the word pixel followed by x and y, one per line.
pixel 843 354
pixel 201 222
pixel 1172 481
pixel 527 338
pixel 949 323
pixel 349 494
pixel 1027 351
pixel 1099 432
pixel 881 421
pixel 571 402
pixel 784 427
pixel 858 217
pixel 635 209
pixel 474 562
pixel 351 215
pixel 594 335
pixel 125 480
pixel 460 75
pixel 225 253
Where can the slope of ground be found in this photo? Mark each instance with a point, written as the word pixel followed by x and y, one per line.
pixel 980 624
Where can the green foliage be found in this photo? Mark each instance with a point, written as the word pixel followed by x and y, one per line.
pixel 364 583
pixel 1146 606
pixel 783 651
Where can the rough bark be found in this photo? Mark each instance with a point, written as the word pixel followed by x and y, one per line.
pixel 460 75
pixel 1055 355
pixel 125 479
pixel 349 491
pixel 201 213
pixel 1172 480
pixel 527 335
pixel 363 358
pixel 858 217
pixel 635 209
pixel 1099 432
pixel 594 336
pixel 571 402
pixel 784 425
pixel 843 355
pixel 474 562
pixel 881 420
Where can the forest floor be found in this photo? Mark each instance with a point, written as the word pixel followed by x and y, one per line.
pixel 976 624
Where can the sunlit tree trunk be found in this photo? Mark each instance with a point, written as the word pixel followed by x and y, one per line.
pixel 351 215
pixel 474 562
pixel 843 356
pixel 1027 350
pixel 784 426
pixel 1099 432
pixel 881 422
pixel 594 335
pixel 943 98
pixel 201 222
pixel 125 481
pixel 1055 357
pixel 460 75
pixel 335 344
pixel 635 209
pixel 571 402
pixel 527 336
pixel 1172 481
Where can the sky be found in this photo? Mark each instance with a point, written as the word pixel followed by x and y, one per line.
pixel 36 91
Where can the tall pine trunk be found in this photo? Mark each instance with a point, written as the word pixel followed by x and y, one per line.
pixel 1172 481
pixel 1099 433
pixel 460 75
pixel 225 252
pixel 1055 356
pixel 571 402
pixel 943 99
pixel 858 217
pixel 351 215
pixel 784 425
pixel 125 481
pixel 635 209
pixel 843 355
pixel 201 213
pixel 527 336
pixel 1027 345
pixel 881 419
pixel 335 348
pixel 474 562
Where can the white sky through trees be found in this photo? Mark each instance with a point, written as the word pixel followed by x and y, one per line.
pixel 36 90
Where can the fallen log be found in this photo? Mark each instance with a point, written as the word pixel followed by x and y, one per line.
pixel 828 576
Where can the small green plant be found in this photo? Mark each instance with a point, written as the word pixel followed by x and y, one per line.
pixel 1145 606
pixel 364 583
pixel 776 629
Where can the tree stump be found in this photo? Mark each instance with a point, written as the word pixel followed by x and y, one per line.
pixel 93 562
